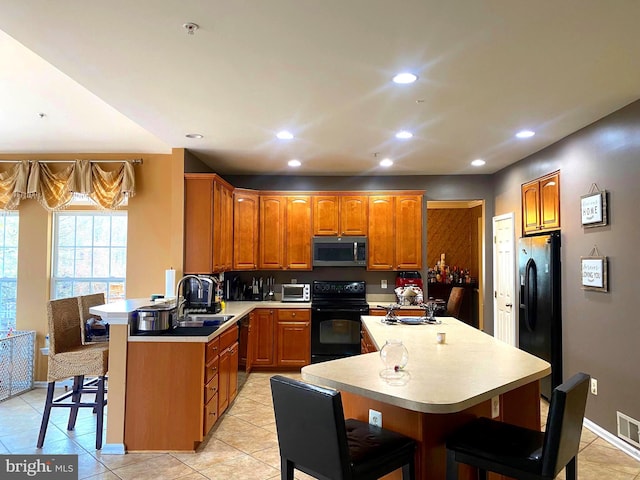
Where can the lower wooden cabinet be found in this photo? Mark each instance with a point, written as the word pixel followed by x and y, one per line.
pixel 282 337
pixel 366 344
pixel 175 391
pixel 294 337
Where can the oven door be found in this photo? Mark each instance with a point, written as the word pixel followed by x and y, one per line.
pixel 335 333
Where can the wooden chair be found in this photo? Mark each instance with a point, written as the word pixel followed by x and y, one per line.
pixel 520 452
pixel 69 358
pixel 455 302
pixel 315 438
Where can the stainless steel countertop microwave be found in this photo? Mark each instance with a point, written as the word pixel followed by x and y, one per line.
pixel 296 292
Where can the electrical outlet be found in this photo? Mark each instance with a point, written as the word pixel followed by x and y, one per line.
pixel 383 284
pixel 375 418
pixel 294 280
pixel 495 407
pixel 594 386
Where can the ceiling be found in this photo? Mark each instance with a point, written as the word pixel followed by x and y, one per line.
pixel 125 76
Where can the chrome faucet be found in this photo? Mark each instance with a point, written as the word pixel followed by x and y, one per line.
pixel 179 284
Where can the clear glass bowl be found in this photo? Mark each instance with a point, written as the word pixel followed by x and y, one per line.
pixel 394 356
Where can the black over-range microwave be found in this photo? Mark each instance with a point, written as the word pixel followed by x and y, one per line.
pixel 339 251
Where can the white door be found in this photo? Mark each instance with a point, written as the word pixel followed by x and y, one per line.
pixel 504 267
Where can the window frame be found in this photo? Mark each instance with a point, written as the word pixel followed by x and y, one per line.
pixel 8 280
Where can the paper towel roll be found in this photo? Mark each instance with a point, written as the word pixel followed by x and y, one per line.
pixel 169 283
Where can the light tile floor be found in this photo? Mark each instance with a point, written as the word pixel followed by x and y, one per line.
pixel 243 445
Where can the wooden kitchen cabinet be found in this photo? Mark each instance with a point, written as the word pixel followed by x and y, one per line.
pixel 246 205
pixel 285 232
pixel 262 322
pixel 208 227
pixel 366 343
pixel 541 204
pixel 294 337
pixel 339 215
pixel 395 232
pixel 228 368
pixel 298 233
pixel 271 239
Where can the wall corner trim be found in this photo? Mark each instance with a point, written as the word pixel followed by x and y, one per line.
pixel 113 449
pixel 612 439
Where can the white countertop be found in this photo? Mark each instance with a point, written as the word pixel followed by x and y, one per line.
pixel 469 368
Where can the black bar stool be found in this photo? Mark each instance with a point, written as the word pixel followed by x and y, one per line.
pixel 520 452
pixel 315 438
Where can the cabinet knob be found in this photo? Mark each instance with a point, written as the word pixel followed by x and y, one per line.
pixel 213 414
pixel 213 389
pixel 214 369
pixel 293 314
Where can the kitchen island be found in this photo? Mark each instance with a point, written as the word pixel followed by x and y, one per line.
pixel 443 386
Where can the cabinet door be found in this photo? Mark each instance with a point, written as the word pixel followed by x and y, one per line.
pixel 272 225
pixel 227 229
pixel 354 215
pixel 233 371
pixel 245 231
pixel 408 215
pixel 325 215
pixel 217 260
pixel 381 233
pixel 530 207
pixel 198 224
pixel 263 320
pixel 298 233
pixel 223 380
pixel 294 344
pixel 550 202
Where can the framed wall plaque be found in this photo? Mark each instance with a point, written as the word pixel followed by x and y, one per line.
pixel 593 270
pixel 593 208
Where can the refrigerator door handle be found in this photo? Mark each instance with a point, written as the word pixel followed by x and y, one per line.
pixel 530 295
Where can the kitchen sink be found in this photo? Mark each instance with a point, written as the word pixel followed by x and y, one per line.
pixel 203 319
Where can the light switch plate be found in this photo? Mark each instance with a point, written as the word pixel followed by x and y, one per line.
pixel 383 284
pixel 495 407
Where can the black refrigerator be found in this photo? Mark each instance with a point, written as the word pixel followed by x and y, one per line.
pixel 540 321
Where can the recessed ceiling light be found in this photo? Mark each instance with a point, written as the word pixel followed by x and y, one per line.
pixel 405 77
pixel 194 135
pixel 525 134
pixel 386 162
pixel 294 163
pixel 404 134
pixel 284 135
pixel 478 162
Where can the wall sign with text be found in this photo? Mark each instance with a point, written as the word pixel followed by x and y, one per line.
pixel 594 273
pixel 594 209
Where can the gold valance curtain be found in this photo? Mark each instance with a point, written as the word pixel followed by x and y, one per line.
pixel 54 190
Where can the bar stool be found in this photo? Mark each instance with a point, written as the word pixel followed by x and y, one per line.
pixel 69 358
pixel 455 301
pixel 315 438
pixel 85 302
pixel 521 452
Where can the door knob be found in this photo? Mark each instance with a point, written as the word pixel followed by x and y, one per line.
pixel 509 305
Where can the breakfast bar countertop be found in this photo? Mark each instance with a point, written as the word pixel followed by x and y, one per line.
pixel 469 368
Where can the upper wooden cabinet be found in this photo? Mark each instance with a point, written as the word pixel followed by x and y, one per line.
pixel 395 232
pixel 338 215
pixel 541 204
pixel 285 232
pixel 208 224
pixel 246 206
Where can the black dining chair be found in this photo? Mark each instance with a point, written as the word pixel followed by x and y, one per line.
pixel 315 438
pixel 520 452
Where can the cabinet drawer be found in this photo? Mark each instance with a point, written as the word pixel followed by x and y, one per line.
pixel 210 414
pixel 210 370
pixel 294 315
pixel 212 350
pixel 229 337
pixel 211 389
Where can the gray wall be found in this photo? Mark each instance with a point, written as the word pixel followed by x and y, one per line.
pixel 601 331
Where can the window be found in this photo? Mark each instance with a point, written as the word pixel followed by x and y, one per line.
pixel 89 254
pixel 8 269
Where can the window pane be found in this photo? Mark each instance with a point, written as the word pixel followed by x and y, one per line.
pixel 63 289
pixel 81 288
pixel 84 231
pixel 10 262
pixel 8 269
pixel 11 231
pixel 66 231
pixel 116 290
pixel 119 231
pixel 102 231
pixel 65 262
pixel 100 262
pixel 119 262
